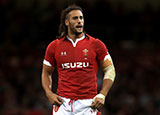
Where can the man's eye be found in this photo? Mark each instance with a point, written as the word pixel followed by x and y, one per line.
pixel 75 18
pixel 81 17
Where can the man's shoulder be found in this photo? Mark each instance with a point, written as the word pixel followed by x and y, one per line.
pixel 61 38
pixel 90 37
pixel 94 40
pixel 54 42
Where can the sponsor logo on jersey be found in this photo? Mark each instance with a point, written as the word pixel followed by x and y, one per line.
pixel 75 65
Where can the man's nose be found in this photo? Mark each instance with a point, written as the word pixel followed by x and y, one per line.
pixel 79 20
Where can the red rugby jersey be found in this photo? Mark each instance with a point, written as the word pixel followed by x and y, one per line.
pixel 77 65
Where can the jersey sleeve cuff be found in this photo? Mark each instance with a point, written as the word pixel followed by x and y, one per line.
pixel 47 63
pixel 107 57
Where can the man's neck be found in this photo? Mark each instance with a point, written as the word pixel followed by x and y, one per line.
pixel 74 36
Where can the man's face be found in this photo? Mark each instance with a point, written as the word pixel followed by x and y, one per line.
pixel 75 22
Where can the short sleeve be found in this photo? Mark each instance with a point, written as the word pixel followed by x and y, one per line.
pixel 49 58
pixel 100 49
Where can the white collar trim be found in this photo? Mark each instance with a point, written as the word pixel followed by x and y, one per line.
pixel 77 40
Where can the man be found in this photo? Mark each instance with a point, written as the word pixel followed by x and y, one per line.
pixel 76 56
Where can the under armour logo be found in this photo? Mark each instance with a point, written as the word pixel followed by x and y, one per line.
pixel 63 53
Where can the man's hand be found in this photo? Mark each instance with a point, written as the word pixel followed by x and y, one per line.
pixel 97 103
pixel 54 99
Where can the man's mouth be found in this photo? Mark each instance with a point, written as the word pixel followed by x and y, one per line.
pixel 79 26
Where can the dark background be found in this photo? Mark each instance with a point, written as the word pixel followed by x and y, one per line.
pixel 129 28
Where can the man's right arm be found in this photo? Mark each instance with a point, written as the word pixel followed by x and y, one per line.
pixel 47 85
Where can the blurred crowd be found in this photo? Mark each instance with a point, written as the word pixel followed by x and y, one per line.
pixel 132 38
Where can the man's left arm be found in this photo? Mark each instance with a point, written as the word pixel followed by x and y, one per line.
pixel 109 76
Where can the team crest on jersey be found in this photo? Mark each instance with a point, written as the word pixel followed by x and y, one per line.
pixel 85 52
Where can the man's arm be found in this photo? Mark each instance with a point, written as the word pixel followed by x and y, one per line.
pixel 109 75
pixel 47 85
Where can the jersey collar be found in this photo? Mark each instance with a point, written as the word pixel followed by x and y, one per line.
pixel 85 36
pixel 77 40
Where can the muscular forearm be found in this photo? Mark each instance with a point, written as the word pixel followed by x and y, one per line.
pixel 109 75
pixel 107 84
pixel 47 83
pixel 47 86
pixel 47 79
pixel 99 99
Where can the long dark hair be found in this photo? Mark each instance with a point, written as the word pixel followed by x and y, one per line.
pixel 63 30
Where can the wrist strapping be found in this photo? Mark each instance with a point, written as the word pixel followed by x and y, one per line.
pixel 99 96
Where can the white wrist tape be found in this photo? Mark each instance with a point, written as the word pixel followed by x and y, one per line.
pixel 99 96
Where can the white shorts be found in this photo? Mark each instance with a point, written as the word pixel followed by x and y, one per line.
pixel 75 107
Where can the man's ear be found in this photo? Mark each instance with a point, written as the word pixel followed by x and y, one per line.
pixel 66 22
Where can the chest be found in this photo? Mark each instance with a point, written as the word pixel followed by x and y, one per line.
pixel 68 53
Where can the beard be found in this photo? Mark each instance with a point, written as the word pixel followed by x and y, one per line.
pixel 74 30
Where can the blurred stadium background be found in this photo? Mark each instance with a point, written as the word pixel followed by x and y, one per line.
pixel 129 28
